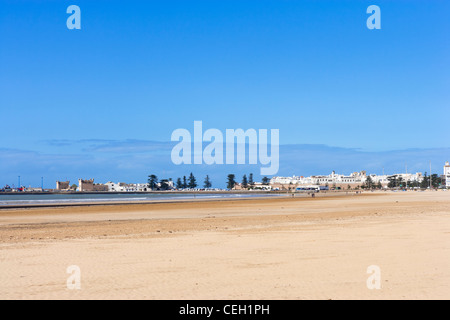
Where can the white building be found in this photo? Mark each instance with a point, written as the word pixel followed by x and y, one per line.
pixel 410 177
pixel 126 187
pixel 132 187
pixel 355 178
pixel 447 174
pixel 383 179
pixel 260 186
pixel 291 180
pixel 115 187
pixel 333 178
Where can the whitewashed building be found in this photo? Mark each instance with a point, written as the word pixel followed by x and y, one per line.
pixel 115 187
pixel 447 174
pixel 333 178
pixel 132 187
pixel 383 179
pixel 126 187
pixel 340 180
pixel 410 177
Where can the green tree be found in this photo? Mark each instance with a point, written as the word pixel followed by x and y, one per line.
pixel 74 187
pixel 231 182
pixel 265 181
pixel 414 184
pixel 401 183
pixel 393 182
pixel 244 181
pixel 164 184
pixel 152 181
pixel 185 185
pixel 179 184
pixel 369 183
pixel 435 180
pixel 250 180
pixel 192 182
pixel 207 183
pixel 425 182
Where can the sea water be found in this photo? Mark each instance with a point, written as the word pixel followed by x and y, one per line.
pixel 73 198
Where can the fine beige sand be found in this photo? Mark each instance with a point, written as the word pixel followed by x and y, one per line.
pixel 288 248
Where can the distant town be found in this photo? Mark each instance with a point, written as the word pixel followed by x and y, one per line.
pixel 334 181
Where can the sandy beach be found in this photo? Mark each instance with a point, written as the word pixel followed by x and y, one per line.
pixel 288 248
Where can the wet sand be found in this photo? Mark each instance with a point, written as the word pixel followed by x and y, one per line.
pixel 253 249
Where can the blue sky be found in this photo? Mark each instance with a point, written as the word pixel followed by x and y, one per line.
pixel 137 70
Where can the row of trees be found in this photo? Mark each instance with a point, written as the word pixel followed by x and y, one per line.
pixel 396 181
pixel 181 183
pixel 370 184
pixel 191 182
pixel 246 183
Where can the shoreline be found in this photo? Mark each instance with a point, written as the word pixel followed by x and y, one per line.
pixel 140 192
pixel 251 196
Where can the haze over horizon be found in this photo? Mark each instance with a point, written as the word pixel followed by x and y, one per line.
pixel 133 160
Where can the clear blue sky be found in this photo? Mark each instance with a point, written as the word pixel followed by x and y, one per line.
pixel 137 70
